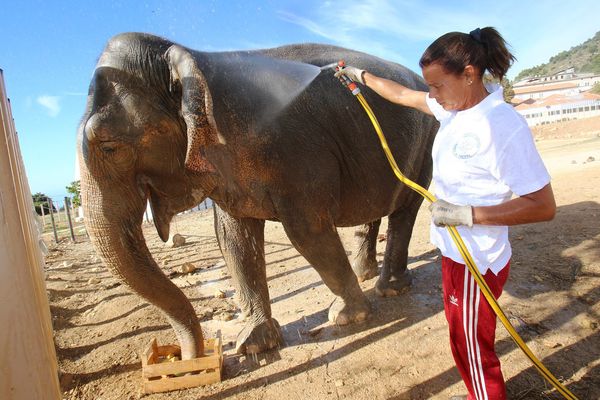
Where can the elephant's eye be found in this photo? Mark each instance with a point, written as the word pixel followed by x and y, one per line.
pixel 108 147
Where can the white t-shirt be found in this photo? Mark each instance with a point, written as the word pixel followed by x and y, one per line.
pixel 481 157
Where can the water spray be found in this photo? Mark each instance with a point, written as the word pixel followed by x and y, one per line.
pixel 329 66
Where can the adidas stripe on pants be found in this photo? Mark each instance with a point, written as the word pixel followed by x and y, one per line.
pixel 472 325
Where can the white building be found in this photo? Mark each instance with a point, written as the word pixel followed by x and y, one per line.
pixel 558 97
pixel 565 82
pixel 559 107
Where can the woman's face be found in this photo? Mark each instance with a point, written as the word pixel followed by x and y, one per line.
pixel 449 90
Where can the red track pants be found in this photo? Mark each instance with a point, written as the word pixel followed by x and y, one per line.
pixel 472 325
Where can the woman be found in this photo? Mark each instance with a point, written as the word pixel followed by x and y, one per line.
pixel 483 154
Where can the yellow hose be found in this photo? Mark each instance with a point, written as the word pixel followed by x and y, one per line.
pixel 467 257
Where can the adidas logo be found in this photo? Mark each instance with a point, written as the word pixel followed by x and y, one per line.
pixel 453 300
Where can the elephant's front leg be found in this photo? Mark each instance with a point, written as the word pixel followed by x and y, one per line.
pixel 242 244
pixel 318 241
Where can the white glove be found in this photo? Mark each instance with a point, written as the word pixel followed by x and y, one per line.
pixel 353 73
pixel 444 213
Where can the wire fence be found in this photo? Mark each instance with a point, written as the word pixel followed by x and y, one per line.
pixel 59 220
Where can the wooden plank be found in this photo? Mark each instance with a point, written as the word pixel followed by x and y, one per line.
pixel 178 367
pixel 219 346
pixel 161 377
pixel 182 382
pixel 28 356
pixel 169 349
pixel 149 356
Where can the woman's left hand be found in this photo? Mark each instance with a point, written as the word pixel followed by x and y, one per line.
pixel 444 213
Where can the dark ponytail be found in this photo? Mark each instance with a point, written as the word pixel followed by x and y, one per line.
pixel 484 49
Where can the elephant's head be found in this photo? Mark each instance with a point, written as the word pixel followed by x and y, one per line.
pixel 142 139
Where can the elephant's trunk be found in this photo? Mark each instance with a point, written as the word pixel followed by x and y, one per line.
pixel 114 214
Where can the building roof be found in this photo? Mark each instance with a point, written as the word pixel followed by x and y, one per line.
pixel 556 99
pixel 545 87
pixel 564 70
pixel 543 80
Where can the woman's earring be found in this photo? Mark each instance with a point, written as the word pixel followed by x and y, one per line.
pixel 469 82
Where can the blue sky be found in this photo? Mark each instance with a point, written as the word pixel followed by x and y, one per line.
pixel 49 48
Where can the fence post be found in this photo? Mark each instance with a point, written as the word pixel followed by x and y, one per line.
pixel 57 213
pixel 28 357
pixel 43 216
pixel 50 207
pixel 68 212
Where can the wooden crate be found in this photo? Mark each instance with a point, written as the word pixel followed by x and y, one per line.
pixel 165 376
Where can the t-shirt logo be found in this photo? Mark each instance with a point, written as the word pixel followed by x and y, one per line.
pixel 466 146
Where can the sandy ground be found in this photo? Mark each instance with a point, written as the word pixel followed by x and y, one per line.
pixel 401 352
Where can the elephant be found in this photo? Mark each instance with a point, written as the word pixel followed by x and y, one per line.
pixel 171 126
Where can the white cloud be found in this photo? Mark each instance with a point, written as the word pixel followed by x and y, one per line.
pixel 50 103
pixel 382 27
pixel 360 17
pixel 306 23
pixel 400 30
pixel 342 34
pixel 405 19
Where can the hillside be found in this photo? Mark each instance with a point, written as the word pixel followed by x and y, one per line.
pixel 584 57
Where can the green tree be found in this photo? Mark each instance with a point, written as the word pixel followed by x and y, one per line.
pixel 507 91
pixel 530 72
pixel 41 200
pixel 75 189
pixel 596 88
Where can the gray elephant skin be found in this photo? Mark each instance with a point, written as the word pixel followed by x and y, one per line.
pixel 172 126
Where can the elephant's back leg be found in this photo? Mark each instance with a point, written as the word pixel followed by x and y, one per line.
pixel 315 236
pixel 364 263
pixel 394 277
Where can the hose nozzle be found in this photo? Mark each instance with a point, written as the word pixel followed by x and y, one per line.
pixel 345 80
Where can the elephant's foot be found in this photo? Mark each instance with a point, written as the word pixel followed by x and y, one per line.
pixel 395 286
pixel 365 269
pixel 342 313
pixel 255 339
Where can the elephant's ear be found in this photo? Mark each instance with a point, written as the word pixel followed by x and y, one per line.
pixel 196 107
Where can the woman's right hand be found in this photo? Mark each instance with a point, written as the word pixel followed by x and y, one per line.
pixel 353 73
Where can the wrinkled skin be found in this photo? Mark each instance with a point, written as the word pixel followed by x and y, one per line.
pixel 173 126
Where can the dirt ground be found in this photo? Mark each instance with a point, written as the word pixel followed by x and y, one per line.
pixel 401 352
